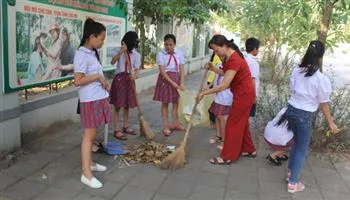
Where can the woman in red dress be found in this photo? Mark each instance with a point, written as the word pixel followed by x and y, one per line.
pixel 237 76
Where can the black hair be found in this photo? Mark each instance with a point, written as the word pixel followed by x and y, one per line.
pixel 221 41
pixel 212 57
pixel 92 27
pixel 130 39
pixel 170 37
pixel 37 41
pixel 251 44
pixel 311 60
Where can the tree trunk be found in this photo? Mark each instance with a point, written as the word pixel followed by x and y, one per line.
pixel 143 41
pixel 326 20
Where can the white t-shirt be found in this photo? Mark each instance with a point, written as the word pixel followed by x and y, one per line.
pixel 277 135
pixel 308 92
pixel 254 68
pixel 85 62
pixel 135 59
pixel 172 66
pixel 224 97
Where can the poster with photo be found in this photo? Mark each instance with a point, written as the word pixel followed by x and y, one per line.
pixel 46 34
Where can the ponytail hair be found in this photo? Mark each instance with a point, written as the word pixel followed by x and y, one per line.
pixel 221 41
pixel 92 27
pixel 311 60
pixel 212 57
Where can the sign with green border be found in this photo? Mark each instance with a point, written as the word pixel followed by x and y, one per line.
pixel 40 38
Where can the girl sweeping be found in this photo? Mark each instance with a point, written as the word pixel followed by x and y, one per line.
pixel 279 138
pixel 221 106
pixel 309 90
pixel 93 95
pixel 122 90
pixel 237 76
pixel 171 78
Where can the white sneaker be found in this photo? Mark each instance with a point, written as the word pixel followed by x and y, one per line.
pixel 93 183
pixel 293 188
pixel 98 168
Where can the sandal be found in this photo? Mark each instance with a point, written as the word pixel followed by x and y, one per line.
pixel 274 161
pixel 129 131
pixel 284 157
pixel 100 148
pixel 119 135
pixel 220 146
pixel 215 140
pixel 250 155
pixel 166 132
pixel 178 127
pixel 216 161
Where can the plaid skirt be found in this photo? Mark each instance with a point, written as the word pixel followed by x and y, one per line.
pixel 95 113
pixel 218 109
pixel 287 147
pixel 122 91
pixel 164 91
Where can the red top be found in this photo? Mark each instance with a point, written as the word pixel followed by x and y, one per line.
pixel 242 83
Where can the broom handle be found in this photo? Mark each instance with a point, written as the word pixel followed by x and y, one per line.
pixel 133 84
pixel 195 106
pixel 106 135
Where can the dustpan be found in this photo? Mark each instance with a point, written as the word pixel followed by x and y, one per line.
pixel 112 147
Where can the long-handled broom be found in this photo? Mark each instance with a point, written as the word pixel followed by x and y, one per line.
pixel 145 129
pixel 176 159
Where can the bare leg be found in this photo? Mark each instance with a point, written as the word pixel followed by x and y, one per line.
pixel 165 115
pixel 125 117
pixel 89 137
pixel 116 119
pixel 175 114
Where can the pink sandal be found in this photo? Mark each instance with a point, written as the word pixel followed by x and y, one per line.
pixel 119 135
pixel 166 132
pixel 178 127
pixel 129 131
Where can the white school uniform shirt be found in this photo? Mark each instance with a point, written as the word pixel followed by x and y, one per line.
pixel 224 97
pixel 254 68
pixel 277 135
pixel 163 59
pixel 308 92
pixel 85 62
pixel 135 59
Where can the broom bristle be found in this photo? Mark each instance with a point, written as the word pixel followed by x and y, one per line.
pixel 176 159
pixel 145 129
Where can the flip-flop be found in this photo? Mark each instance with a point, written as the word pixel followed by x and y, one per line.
pixel 166 132
pixel 129 131
pixel 178 128
pixel 274 161
pixel 284 157
pixel 119 136
pixel 100 148
pixel 215 161
pixel 249 155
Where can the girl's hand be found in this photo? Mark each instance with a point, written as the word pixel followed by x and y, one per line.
pixel 334 127
pixel 182 87
pixel 124 48
pixel 133 77
pixel 199 97
pixel 175 85
pixel 208 66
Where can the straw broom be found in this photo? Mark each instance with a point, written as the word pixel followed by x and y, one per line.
pixel 145 129
pixel 176 159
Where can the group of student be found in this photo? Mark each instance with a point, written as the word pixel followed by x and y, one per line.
pixel 234 80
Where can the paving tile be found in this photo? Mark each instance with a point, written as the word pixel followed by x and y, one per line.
pixel 108 191
pixel 335 196
pixel 308 193
pixel 53 193
pixel 7 180
pixel 202 192
pixel 238 195
pixel 211 179
pixel 87 197
pixel 247 183
pixel 219 169
pixel 185 175
pixel 176 188
pixel 27 188
pixel 134 193
pixel 165 197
